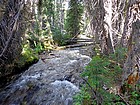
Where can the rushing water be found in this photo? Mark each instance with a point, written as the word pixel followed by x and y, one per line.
pixel 53 82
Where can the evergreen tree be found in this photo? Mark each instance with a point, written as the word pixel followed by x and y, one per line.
pixel 73 18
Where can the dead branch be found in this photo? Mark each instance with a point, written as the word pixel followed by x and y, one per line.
pixel 127 103
pixel 94 93
pixel 13 29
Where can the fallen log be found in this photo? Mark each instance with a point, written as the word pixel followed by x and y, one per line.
pixel 78 40
pixel 74 45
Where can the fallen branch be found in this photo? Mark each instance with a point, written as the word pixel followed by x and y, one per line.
pixel 93 92
pixel 79 40
pixel 127 103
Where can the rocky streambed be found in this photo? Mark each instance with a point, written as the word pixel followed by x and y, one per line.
pixel 51 81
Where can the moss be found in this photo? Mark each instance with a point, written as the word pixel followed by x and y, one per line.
pixel 10 71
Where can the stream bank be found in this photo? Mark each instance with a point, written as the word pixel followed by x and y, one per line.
pixel 8 78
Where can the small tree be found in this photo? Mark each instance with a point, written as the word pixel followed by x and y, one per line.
pixel 73 18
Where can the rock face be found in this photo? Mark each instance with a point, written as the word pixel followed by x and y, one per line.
pixel 52 81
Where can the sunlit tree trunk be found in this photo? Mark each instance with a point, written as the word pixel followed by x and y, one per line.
pixel 95 18
pixel 100 17
pixel 127 24
pixel 107 31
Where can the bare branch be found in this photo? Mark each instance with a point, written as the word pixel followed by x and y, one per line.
pixel 13 29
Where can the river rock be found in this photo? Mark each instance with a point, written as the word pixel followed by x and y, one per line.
pixel 51 81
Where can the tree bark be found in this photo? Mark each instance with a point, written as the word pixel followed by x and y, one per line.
pixel 107 31
pixel 133 56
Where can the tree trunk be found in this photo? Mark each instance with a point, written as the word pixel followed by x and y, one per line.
pixel 133 57
pixel 107 31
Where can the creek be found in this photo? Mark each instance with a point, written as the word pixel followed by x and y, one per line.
pixel 52 81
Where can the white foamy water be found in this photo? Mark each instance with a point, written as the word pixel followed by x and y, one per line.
pixel 66 84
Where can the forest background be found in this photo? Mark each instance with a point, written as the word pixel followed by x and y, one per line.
pixel 29 27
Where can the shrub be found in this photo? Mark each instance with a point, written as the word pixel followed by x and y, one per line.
pixel 102 70
pixel 60 38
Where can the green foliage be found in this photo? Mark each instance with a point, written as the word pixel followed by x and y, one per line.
pixel 83 95
pixel 59 37
pixel 27 56
pixel 74 16
pixel 102 70
pixel 52 11
pixel 105 70
pixel 41 37
pixel 119 55
pixel 135 95
pixel 38 48
pixel 48 10
pixel 36 41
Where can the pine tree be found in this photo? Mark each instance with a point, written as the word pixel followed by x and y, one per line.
pixel 73 18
